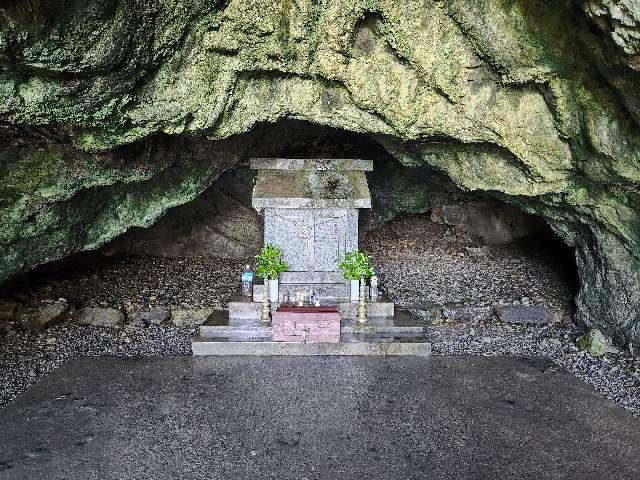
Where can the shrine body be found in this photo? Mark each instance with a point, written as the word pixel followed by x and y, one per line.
pixel 310 210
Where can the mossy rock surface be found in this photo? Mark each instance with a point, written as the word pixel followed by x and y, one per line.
pixel 113 112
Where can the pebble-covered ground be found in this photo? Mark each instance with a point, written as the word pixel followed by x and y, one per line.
pixel 420 261
pixel 417 261
pixel 140 283
pixel 615 376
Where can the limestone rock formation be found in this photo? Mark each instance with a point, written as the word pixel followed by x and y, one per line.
pixel 496 224
pixel 621 20
pixel 219 223
pixel 114 111
pixel 596 343
pixel 99 317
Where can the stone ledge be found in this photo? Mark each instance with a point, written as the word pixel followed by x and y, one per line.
pixel 528 314
pixel 349 310
pixel 300 202
pixel 312 277
pixel 327 292
pixel 311 189
pixel 311 164
pixel 243 332
pixel 381 330
pixel 220 347
pixel 244 309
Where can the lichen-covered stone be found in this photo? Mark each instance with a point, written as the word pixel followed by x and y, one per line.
pixel 621 20
pixel 113 112
pixel 43 316
pixel 99 317
pixel 189 317
pixel 596 343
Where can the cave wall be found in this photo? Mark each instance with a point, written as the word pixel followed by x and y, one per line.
pixel 533 102
pixel 221 222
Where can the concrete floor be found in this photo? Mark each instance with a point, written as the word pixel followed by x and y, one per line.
pixel 322 417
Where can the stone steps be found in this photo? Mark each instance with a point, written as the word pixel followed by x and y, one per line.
pixel 347 309
pixel 327 285
pixel 219 324
pixel 257 331
pixel 325 291
pixel 380 309
pixel 239 332
pixel 247 333
pixel 245 309
pixel 226 346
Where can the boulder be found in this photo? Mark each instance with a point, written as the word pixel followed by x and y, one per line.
pixel 528 314
pixel 44 315
pixel 478 252
pixel 426 313
pixel 190 318
pixel 99 317
pixel 496 224
pixel 596 343
pixel 152 317
pixel 8 311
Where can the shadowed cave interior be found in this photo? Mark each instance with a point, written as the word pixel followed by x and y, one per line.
pixel 432 243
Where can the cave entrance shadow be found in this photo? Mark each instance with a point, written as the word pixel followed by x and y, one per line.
pixel 468 248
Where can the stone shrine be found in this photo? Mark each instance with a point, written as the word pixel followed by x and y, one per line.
pixel 310 209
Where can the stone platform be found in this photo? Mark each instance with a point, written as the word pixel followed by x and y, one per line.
pixel 223 346
pixel 224 334
pixel 383 308
pixel 306 325
pixel 328 286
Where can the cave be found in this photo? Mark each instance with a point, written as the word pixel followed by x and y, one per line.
pixel 540 113
pixel 463 177
pixel 434 244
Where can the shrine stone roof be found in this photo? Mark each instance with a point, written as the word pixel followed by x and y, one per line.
pixel 311 183
pixel 311 164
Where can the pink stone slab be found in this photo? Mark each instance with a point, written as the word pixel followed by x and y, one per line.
pixel 306 325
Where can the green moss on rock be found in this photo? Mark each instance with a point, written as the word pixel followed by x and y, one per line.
pixel 515 98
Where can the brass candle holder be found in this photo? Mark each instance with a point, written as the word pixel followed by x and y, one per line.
pixel 362 306
pixel 265 319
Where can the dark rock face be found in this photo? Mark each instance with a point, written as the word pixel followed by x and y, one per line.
pixel 114 112
pixel 219 223
pixel 496 224
pixel 621 20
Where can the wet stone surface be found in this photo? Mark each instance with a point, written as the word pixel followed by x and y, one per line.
pixel 344 417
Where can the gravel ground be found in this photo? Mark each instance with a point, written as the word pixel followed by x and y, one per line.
pixel 140 283
pixel 615 376
pixel 26 357
pixel 417 261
